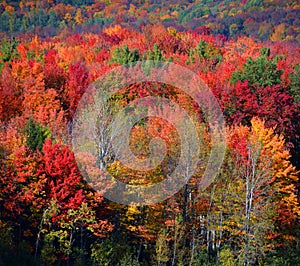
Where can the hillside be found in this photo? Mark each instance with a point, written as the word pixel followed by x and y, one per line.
pixel 261 19
pixel 139 133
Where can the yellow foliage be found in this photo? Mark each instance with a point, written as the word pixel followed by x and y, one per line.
pixel 113 30
pixel 278 34
pixel 99 14
pixel 131 212
pixel 175 14
pixel 68 17
pixel 172 31
pixel 78 17
pixel 166 16
pixel 132 9
pixel 285 174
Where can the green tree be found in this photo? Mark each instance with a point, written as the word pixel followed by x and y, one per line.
pixel 4 18
pixel 9 49
pixel 13 23
pixel 155 54
pixel 42 17
pixel 102 252
pixel 124 56
pixel 294 89
pixel 162 251
pixel 128 260
pixel 261 71
pixel 25 25
pixel 226 257
pixel 36 135
pixel 53 19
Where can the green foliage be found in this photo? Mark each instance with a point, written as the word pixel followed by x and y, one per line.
pixel 162 251
pixel 128 260
pixel 197 11
pixel 112 252
pixel 124 56
pixel 67 238
pixel 6 241
pixel 100 21
pixel 36 135
pixel 226 257
pixel 202 51
pixel 261 71
pixel 155 54
pixel 13 22
pixel 102 252
pixel 78 3
pixel 48 251
pixel 265 51
pixel 8 50
pixel 53 19
pixel 294 89
pixel 180 263
pixel 4 17
pixel 253 3
pixel 156 57
pixel 50 237
pixel 285 256
pixel 202 259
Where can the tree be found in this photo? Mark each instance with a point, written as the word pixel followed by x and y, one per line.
pixel 54 75
pixel 53 19
pixel 269 180
pixel 261 71
pixel 77 83
pixel 79 19
pixel 36 135
pixel 10 96
pixel 70 210
pixel 272 103
pixel 294 86
pixel 161 249
pixel 9 49
pixel 124 56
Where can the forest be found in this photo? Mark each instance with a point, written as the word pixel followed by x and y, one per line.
pixel 55 55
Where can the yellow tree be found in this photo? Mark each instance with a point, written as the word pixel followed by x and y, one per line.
pixel 284 173
pixel 254 193
pixel 79 19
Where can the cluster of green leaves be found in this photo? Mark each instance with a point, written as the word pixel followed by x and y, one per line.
pixel 196 11
pixel 260 72
pixel 8 51
pixel 36 135
pixel 294 89
pixel 125 56
pixel 204 51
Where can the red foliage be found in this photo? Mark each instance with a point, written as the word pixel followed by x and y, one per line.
pixel 273 104
pixel 78 81
pixel 9 96
pixel 170 45
pixel 60 168
pixel 55 76
pixel 203 30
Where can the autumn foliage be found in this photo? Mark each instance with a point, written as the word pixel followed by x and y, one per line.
pixel 49 213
